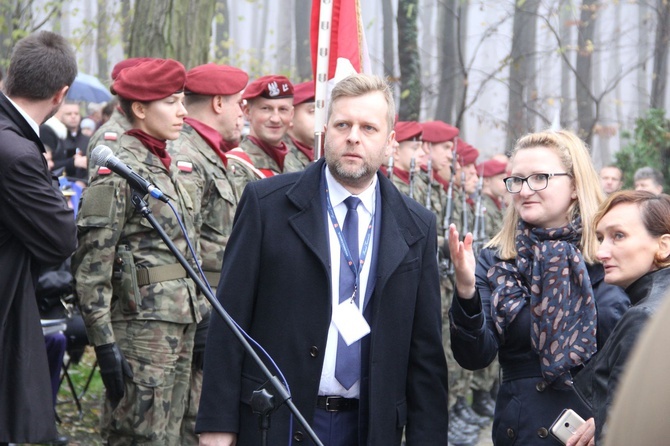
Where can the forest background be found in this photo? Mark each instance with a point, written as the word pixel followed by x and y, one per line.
pixel 494 68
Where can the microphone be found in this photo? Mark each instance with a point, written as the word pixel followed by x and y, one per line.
pixel 103 156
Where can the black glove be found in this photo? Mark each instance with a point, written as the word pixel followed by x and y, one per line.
pixel 199 342
pixel 112 368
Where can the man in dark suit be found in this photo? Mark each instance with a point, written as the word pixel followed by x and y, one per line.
pixel 36 229
pixel 278 284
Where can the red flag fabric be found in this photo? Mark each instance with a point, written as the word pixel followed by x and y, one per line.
pixel 346 36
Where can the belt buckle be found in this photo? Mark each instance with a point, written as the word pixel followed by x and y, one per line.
pixel 333 398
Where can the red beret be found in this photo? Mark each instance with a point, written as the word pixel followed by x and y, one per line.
pixel 270 87
pixel 438 131
pixel 303 92
pixel 407 130
pixel 491 168
pixel 212 79
pixel 466 153
pixel 151 80
pixel 127 63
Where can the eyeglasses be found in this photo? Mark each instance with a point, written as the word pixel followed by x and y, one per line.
pixel 536 182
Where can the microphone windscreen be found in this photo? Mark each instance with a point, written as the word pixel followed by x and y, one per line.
pixel 100 155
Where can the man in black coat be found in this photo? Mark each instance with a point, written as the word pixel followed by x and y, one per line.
pixel 278 284
pixel 36 229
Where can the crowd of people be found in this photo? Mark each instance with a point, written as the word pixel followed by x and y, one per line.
pixel 406 290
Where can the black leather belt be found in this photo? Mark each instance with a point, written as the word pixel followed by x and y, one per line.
pixel 336 403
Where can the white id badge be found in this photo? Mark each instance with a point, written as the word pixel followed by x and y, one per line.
pixel 350 322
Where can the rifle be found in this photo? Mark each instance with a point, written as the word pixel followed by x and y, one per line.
pixel 446 268
pixel 430 183
pixel 389 171
pixel 412 166
pixel 464 202
pixel 479 237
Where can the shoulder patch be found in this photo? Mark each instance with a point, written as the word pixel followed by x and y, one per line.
pixel 110 136
pixel 102 170
pixel 185 166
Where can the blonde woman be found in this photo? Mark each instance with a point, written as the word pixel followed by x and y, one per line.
pixel 535 297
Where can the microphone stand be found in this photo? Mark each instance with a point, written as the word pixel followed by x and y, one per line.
pixel 263 402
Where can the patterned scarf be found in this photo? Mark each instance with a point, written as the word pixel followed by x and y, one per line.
pixel 550 274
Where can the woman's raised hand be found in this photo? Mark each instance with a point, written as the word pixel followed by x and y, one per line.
pixel 463 259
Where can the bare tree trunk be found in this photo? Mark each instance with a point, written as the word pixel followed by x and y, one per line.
pixel 461 80
pixel 147 29
pixel 126 26
pixel 447 50
pixel 643 50
pixel 565 34
pixel 302 47
pixel 263 27
pixel 180 29
pixel 660 74
pixel 190 31
pixel 222 30
pixel 410 65
pixel 583 87
pixel 102 39
pixel 284 39
pixel 389 48
pixel 522 69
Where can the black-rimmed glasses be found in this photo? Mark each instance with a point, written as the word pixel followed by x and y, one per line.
pixel 536 182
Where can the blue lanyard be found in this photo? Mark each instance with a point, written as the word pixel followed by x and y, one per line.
pixel 356 269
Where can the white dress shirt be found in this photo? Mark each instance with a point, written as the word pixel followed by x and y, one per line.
pixel 329 385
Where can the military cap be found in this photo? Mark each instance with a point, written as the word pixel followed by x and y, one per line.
pixel 491 168
pixel 303 92
pixel 151 80
pixel 407 131
pixel 270 87
pixel 438 131
pixel 127 63
pixel 212 79
pixel 466 153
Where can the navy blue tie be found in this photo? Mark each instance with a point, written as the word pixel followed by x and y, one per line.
pixel 348 362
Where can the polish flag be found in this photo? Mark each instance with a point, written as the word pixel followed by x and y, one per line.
pixel 347 37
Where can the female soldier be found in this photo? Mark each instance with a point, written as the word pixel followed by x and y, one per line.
pixel 139 308
pixel 536 298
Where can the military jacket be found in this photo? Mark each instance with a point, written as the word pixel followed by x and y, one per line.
pixel 108 134
pixel 493 216
pixel 435 201
pixel 255 164
pixel 299 154
pixel 117 246
pixel 203 173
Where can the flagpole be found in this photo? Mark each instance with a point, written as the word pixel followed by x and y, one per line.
pixel 321 80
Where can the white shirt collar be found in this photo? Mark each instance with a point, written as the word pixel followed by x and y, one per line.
pixel 338 193
pixel 35 126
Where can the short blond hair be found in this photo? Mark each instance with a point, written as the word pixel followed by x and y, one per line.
pixel 576 159
pixel 361 84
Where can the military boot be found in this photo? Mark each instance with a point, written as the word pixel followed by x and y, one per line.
pixel 464 411
pixel 482 403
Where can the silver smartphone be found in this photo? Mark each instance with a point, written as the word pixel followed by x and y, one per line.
pixel 565 425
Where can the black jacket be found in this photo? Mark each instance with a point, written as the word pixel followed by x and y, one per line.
pixel 526 405
pixel 598 381
pixel 36 228
pixel 275 282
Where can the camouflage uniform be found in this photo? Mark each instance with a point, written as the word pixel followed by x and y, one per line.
pixel 203 172
pixel 260 165
pixel 131 291
pixel 108 134
pixel 299 154
pixel 494 216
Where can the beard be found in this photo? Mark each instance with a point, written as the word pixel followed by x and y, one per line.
pixel 354 176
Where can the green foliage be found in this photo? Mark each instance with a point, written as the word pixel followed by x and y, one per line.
pixel 649 145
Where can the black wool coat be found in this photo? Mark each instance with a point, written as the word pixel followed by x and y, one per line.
pixel 36 228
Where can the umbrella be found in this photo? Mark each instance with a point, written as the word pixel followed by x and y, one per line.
pixel 89 89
